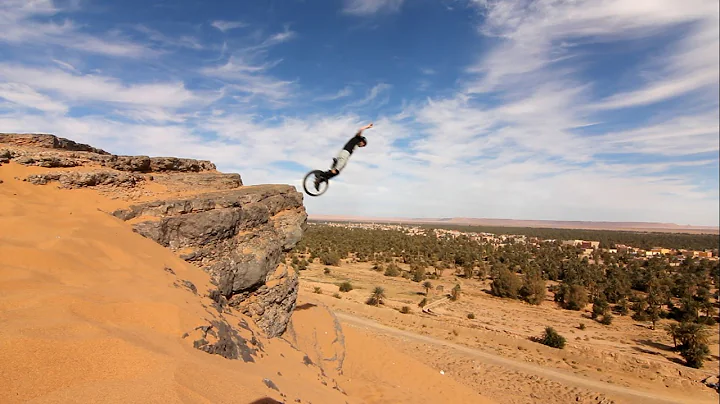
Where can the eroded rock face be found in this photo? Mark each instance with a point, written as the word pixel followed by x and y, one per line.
pixel 271 305
pixel 238 234
pixel 240 237
pixel 52 151
pixel 72 179
pixel 46 141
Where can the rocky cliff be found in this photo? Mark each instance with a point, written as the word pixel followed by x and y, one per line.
pixel 238 234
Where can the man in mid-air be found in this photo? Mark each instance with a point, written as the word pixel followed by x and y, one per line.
pixel 341 160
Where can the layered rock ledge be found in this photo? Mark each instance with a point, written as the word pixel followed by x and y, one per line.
pixel 240 237
pixel 238 234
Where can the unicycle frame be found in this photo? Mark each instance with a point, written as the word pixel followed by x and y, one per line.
pixel 312 174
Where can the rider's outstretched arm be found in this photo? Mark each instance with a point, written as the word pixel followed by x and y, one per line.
pixel 360 131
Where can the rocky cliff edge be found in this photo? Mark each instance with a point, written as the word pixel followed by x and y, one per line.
pixel 238 234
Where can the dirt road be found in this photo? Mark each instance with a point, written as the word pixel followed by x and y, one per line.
pixel 620 393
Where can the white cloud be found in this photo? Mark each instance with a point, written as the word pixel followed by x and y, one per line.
pixel 182 41
pixel 247 72
pixel 17 17
pixel 66 66
pixel 681 136
pixel 369 7
pixel 520 152
pixel 342 93
pixel 225 26
pixel 24 95
pixel 274 39
pixel 84 88
pixel 251 79
pixel 533 38
pixel 374 92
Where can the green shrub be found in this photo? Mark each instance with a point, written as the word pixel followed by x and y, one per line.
pixel 552 339
pixel 695 355
pixel 533 290
pixel 600 307
pixel 392 270
pixel 346 287
pixel 505 284
pixel 405 310
pixel 471 316
pixel 606 319
pixel 455 293
pixel 331 258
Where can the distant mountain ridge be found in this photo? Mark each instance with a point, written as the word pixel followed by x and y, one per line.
pixel 558 224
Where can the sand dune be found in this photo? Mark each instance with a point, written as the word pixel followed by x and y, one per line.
pixel 93 312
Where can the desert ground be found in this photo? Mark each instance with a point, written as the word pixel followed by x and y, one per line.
pixel 493 354
pixel 94 312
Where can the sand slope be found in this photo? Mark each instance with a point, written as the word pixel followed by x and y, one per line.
pixel 89 312
pixel 366 366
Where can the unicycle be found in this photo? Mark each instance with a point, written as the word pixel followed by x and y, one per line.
pixel 309 183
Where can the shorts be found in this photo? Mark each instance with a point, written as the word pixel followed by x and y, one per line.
pixel 341 160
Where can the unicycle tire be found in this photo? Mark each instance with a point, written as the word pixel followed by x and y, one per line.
pixel 309 184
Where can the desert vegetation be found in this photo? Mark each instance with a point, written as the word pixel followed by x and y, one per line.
pixel 677 289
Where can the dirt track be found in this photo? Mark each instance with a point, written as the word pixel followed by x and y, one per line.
pixel 616 392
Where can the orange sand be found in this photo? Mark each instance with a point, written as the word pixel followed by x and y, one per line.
pixel 89 314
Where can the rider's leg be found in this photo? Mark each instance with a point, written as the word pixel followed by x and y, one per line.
pixel 339 163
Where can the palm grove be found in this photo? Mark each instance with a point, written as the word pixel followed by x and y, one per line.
pixel 615 284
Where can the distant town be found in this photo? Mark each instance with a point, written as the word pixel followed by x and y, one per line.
pixel 587 247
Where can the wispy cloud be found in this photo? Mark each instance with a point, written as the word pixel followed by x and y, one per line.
pixel 95 88
pixel 225 26
pixel 342 93
pixel 247 72
pixel 251 79
pixel 530 35
pixel 375 91
pixel 26 96
pixel 274 39
pixel 369 7
pixel 182 41
pixel 683 136
pixel 526 131
pixel 20 26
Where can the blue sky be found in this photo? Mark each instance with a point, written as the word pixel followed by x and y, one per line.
pixel 544 109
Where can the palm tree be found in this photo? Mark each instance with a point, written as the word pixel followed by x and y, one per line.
pixel 673 330
pixel 377 296
pixel 427 285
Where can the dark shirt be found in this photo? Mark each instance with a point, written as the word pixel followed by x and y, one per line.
pixel 353 142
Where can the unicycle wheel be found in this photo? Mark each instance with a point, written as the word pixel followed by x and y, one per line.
pixel 309 184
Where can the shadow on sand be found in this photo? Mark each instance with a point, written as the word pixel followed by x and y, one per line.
pixel 304 306
pixel 655 345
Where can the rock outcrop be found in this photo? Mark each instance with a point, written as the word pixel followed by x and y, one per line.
pixel 238 234
pixel 86 179
pixel 240 237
